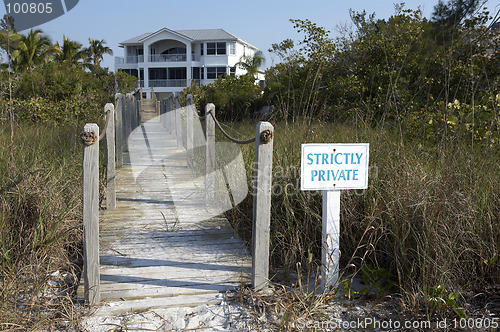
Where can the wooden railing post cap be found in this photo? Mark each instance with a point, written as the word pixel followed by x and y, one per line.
pixel 209 107
pixel 90 127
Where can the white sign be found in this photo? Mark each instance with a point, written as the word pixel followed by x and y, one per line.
pixel 331 168
pixel 334 166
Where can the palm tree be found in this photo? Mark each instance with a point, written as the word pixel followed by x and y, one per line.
pixel 252 63
pixel 32 50
pixel 71 52
pixel 96 51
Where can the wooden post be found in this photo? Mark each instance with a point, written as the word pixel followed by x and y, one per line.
pixel 189 130
pixel 262 204
pixel 110 155
pixel 119 129
pixel 127 119
pixel 209 154
pixel 91 217
pixel 171 116
pixel 178 124
pixel 138 107
pixel 330 236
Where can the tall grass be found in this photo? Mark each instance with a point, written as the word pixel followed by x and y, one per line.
pixel 431 214
pixel 39 224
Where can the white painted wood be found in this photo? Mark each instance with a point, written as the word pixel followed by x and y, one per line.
pixel 209 154
pixel 261 207
pixel 331 234
pixel 119 142
pixel 91 218
pixel 110 155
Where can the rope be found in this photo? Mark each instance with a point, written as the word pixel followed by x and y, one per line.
pixel 252 140
pixel 89 138
pixel 201 117
pixel 105 126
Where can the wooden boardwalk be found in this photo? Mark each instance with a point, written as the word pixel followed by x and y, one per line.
pixel 161 247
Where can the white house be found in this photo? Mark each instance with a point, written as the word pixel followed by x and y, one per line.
pixel 168 61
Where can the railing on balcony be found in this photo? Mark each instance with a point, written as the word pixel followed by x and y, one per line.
pixel 167 58
pixel 167 83
pixel 129 59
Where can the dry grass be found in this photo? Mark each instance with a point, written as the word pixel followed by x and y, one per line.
pixel 40 233
pixel 430 217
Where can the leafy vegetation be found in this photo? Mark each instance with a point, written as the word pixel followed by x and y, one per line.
pixel 62 82
pixel 425 95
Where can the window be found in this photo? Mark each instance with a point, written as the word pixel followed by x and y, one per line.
pixel 214 72
pixel 157 73
pixel 216 48
pixel 202 48
pixel 232 48
pixel 232 71
pixel 196 73
pixel 177 73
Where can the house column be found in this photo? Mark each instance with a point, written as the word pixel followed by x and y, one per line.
pixel 146 69
pixel 189 68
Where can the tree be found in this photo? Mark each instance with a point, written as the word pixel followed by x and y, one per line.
pixel 252 63
pixel 71 52
pixel 452 13
pixel 96 51
pixel 32 50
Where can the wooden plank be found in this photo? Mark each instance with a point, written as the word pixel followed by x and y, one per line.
pixel 119 129
pixel 209 154
pixel 178 123
pixel 330 254
pixel 109 110
pixel 148 303
pixel 189 129
pixel 262 207
pixel 91 217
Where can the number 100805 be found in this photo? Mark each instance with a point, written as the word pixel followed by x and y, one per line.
pixel 29 8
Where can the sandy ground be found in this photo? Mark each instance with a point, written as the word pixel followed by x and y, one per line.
pixel 227 316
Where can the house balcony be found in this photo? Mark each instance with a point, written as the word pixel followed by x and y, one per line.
pixel 129 59
pixel 182 83
pixel 171 58
pixel 168 58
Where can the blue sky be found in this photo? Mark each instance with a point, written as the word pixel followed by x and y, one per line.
pixel 260 23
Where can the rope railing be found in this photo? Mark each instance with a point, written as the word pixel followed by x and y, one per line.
pixel 232 139
pixel 190 102
pixel 103 133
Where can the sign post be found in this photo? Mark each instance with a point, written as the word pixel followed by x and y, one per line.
pixel 332 168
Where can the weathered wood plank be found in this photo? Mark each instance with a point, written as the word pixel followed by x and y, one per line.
pixel 91 216
pixel 262 206
pixel 109 110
